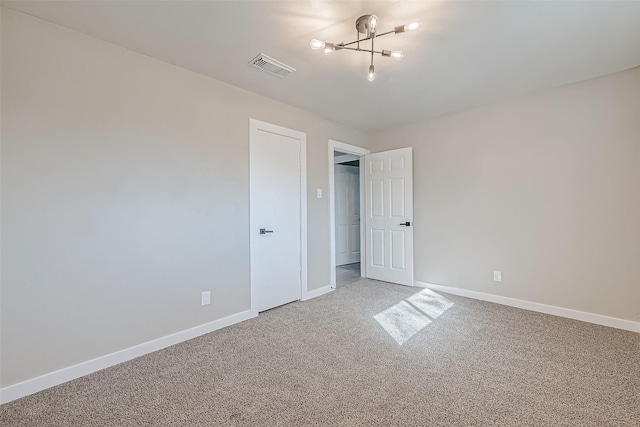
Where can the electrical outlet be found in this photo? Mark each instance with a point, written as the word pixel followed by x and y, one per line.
pixel 206 298
pixel 319 193
pixel 497 276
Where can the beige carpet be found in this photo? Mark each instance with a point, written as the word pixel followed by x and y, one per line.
pixel 329 362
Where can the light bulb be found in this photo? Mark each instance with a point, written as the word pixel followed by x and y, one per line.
pixel 408 27
pixel 372 73
pixel 412 26
pixel 397 54
pixel 372 23
pixel 317 44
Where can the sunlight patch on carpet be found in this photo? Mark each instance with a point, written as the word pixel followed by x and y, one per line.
pixel 430 303
pixel 402 321
pixel 408 317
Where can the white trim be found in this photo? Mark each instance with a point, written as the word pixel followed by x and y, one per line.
pixel 303 216
pixel 359 151
pixel 317 292
pixel 254 126
pixel 598 319
pixel 51 379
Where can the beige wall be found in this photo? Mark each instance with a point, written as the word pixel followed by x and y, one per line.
pixel 125 193
pixel 545 189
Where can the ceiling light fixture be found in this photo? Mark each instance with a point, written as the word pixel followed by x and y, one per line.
pixel 367 24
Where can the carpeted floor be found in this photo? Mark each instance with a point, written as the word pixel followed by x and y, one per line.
pixel 328 361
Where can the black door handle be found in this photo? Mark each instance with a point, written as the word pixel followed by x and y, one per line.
pixel 265 231
pixel 406 224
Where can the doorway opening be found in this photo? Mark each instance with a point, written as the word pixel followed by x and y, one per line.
pixel 346 201
pixel 346 171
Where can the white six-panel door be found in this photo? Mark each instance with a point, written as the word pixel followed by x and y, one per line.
pixel 275 215
pixel 347 214
pixel 389 216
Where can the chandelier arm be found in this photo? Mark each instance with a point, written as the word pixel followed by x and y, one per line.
pixel 365 39
pixel 354 42
pixel 358 49
pixel 384 34
pixel 373 36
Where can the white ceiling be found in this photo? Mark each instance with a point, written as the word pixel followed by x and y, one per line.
pixel 466 54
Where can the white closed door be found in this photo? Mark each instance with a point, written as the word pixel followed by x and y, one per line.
pixel 347 204
pixel 389 216
pixel 275 215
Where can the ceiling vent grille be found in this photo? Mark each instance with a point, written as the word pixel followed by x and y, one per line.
pixel 271 66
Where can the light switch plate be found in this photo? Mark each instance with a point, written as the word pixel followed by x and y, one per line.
pixel 206 298
pixel 319 193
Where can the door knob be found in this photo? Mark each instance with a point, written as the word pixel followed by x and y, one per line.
pixel 406 224
pixel 265 231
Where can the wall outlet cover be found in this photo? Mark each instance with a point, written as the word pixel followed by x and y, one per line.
pixel 497 276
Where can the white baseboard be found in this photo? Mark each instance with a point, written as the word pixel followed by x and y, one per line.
pixel 598 319
pixel 317 292
pixel 51 379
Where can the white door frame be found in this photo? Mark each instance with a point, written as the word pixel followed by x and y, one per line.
pixel 255 126
pixel 360 152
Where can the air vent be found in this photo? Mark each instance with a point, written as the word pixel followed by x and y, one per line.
pixel 271 66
